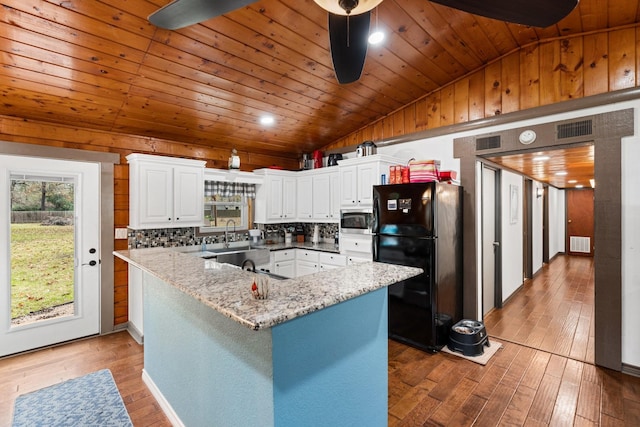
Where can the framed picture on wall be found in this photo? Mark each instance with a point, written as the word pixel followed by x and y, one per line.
pixel 513 203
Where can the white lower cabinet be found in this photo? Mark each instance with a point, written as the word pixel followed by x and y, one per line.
pixel 351 260
pixel 330 261
pixel 135 326
pixel 356 247
pixel 306 262
pixel 284 263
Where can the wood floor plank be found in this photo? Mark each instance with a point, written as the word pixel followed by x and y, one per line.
pixel 520 386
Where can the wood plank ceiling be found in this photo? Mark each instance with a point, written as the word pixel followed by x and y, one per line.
pixel 570 167
pixel 101 65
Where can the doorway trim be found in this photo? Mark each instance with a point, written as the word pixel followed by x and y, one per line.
pixel 607 132
pixel 106 160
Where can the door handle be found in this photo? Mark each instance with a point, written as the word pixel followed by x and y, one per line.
pixel 496 244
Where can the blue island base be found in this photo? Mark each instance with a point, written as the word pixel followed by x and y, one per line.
pixel 327 368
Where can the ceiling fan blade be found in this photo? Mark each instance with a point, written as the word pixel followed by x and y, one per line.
pixel 182 13
pixel 536 13
pixel 348 38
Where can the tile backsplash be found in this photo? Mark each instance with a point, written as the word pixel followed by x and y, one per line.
pixel 172 237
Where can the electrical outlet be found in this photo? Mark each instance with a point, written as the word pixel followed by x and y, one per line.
pixel 121 233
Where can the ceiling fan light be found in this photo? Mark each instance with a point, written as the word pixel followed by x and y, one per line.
pixel 376 37
pixel 334 7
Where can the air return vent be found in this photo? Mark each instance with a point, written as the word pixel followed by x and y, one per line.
pixel 575 129
pixel 488 143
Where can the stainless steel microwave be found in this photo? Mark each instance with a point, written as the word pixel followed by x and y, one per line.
pixel 356 221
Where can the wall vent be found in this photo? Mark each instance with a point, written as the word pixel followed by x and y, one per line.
pixel 575 129
pixel 580 244
pixel 488 143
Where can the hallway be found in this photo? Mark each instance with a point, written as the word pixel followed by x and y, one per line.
pixel 553 311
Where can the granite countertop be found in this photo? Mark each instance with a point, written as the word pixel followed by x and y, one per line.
pixel 226 288
pixel 323 247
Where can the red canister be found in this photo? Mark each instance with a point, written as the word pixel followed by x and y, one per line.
pixel 317 159
pixel 405 174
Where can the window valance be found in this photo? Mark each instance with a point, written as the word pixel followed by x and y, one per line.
pixel 229 189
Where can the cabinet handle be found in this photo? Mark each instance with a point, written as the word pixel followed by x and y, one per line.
pixel 177 219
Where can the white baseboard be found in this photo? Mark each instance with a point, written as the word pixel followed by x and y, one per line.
pixel 164 405
pixel 135 333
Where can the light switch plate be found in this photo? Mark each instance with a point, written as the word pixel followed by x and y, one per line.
pixel 121 233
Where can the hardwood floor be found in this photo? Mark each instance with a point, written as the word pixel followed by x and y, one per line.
pixel 553 311
pixel 117 352
pixel 520 386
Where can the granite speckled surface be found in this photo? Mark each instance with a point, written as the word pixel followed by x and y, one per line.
pixel 323 247
pixel 227 288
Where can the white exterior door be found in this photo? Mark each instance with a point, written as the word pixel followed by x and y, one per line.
pixel 55 263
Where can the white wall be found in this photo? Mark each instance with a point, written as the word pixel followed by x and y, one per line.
pixel 441 147
pixel 557 214
pixel 537 228
pixel 630 248
pixel 512 242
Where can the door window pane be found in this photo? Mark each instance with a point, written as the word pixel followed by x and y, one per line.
pixel 42 248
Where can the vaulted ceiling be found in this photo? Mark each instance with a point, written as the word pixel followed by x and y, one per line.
pixel 102 65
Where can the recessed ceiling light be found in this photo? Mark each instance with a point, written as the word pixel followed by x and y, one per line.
pixel 376 37
pixel 562 173
pixel 267 120
pixel 579 186
pixel 593 183
pixel 541 158
pixel 572 181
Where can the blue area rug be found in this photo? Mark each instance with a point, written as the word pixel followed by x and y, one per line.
pixel 91 400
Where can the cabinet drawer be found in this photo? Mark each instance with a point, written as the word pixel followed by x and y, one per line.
pixel 305 255
pixel 284 255
pixel 333 259
pixel 356 245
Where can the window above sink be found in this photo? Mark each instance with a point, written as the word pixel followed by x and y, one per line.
pixel 219 210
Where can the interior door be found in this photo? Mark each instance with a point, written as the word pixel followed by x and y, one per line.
pixel 580 224
pixel 50 268
pixel 490 240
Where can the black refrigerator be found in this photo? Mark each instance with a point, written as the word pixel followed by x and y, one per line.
pixel 420 225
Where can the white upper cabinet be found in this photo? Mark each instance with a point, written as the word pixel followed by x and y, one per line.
pixel 276 197
pixel 316 199
pixel 305 197
pixel 358 176
pixel 165 192
pixel 321 196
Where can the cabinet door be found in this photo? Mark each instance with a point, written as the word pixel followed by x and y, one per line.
pixel 366 179
pixel 334 196
pixel 156 194
pixel 188 196
pixel 305 267
pixel 305 198
pixel 274 202
pixel 289 197
pixel 285 268
pixel 321 197
pixel 349 186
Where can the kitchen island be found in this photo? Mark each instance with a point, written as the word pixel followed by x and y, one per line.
pixel 313 353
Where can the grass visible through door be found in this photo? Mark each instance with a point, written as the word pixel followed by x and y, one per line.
pixel 42 267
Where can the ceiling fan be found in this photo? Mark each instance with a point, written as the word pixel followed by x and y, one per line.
pixel 349 21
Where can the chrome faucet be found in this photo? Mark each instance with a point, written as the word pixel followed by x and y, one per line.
pixel 226 232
